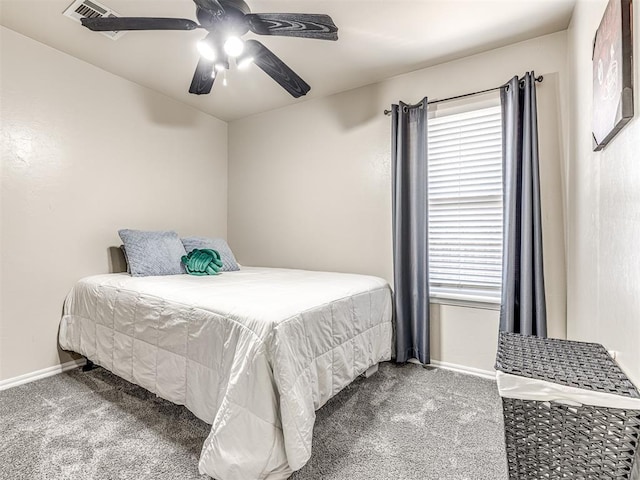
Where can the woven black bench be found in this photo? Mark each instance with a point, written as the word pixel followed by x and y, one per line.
pixel 559 437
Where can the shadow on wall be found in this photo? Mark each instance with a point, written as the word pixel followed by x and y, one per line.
pixel 63 355
pixel 165 112
pixel 117 263
pixel 357 107
pixel 552 180
pixel 435 337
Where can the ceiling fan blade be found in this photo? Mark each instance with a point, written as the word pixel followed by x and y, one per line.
pixel 203 78
pixel 305 25
pixel 277 69
pixel 115 24
pixel 212 6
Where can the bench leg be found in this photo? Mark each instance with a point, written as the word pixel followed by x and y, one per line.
pixel 88 366
pixel 371 370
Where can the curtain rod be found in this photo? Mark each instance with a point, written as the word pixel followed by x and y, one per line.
pixel 537 79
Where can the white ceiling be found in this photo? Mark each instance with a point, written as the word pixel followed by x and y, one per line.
pixel 378 39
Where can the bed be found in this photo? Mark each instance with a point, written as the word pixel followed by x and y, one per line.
pixel 254 353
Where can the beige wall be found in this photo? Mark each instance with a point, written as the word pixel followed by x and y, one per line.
pixel 85 153
pixel 309 184
pixel 603 227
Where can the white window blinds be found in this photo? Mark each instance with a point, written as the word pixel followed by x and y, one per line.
pixel 465 205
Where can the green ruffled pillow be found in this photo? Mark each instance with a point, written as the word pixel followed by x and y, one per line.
pixel 202 262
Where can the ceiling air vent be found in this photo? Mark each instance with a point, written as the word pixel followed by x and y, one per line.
pixel 88 9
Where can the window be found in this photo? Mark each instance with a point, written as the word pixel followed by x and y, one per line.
pixel 465 206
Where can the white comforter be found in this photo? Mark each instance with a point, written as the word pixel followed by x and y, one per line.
pixel 254 353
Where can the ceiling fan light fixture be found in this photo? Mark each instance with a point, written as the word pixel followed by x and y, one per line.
pixel 206 50
pixel 225 22
pixel 234 46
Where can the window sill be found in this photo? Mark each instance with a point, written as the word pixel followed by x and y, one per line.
pixel 462 301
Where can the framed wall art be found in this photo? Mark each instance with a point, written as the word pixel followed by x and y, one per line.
pixel 612 73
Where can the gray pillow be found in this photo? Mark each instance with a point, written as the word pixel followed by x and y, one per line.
pixel 229 263
pixel 153 253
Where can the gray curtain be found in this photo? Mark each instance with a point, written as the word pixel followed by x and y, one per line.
pixel 410 233
pixel 523 308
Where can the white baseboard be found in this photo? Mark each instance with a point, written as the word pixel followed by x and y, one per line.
pixel 38 374
pixel 56 369
pixel 491 375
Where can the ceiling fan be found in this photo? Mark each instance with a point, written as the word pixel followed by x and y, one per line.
pixel 227 21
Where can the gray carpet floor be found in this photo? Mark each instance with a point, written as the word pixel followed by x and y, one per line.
pixel 404 423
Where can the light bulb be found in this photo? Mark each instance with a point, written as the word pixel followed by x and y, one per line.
pixel 213 74
pixel 224 82
pixel 206 50
pixel 234 46
pixel 245 62
pixel 220 67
